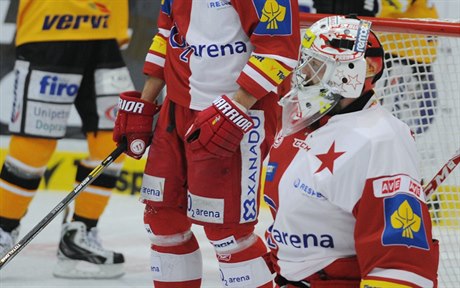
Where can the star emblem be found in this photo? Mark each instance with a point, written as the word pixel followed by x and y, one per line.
pixel 327 159
pixel 339 74
pixel 339 87
pixel 353 81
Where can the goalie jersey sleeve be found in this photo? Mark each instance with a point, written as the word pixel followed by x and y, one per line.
pixel 205 49
pixel 351 188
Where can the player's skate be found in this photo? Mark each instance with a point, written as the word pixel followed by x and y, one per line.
pixel 81 255
pixel 7 240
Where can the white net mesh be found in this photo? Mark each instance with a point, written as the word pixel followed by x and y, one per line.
pixel 421 87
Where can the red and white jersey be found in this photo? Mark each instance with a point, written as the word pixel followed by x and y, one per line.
pixel 205 49
pixel 350 187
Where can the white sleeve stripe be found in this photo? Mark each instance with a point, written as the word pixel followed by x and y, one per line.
pixel 152 58
pixel 257 77
pixel 401 275
pixel 164 32
pixel 286 61
pixel 17 191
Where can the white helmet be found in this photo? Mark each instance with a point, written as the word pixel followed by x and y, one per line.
pixel 332 66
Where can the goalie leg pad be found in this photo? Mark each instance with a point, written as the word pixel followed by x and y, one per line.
pixel 175 255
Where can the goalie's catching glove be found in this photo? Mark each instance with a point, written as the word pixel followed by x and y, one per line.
pixel 134 123
pixel 219 129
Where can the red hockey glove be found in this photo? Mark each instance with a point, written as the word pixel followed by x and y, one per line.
pixel 134 123
pixel 219 129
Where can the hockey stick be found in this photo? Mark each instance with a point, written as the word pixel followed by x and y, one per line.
pixel 63 204
pixel 442 174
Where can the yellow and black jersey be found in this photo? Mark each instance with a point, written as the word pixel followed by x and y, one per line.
pixel 419 48
pixel 408 9
pixel 63 20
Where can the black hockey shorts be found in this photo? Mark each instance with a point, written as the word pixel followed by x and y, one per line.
pixel 52 77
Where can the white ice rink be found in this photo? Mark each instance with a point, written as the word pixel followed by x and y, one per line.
pixel 121 229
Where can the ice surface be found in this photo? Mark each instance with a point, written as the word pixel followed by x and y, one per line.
pixel 121 229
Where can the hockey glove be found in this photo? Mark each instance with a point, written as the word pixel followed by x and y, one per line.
pixel 134 123
pixel 219 129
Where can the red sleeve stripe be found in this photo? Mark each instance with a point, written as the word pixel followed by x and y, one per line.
pixel 250 85
pixel 153 70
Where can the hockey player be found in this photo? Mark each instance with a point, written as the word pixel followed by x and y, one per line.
pixel 342 180
pixel 67 53
pixel 220 62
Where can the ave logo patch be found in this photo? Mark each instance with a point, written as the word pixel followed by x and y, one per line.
pixel 397 184
pixel 404 222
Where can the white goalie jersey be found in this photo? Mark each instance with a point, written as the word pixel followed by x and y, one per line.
pixel 351 188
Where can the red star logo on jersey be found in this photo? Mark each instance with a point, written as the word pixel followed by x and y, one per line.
pixel 327 159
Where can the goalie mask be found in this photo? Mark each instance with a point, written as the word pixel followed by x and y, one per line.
pixel 340 58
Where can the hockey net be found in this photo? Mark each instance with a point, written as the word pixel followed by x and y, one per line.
pixel 421 86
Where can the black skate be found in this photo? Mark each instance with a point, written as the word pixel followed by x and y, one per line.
pixel 81 255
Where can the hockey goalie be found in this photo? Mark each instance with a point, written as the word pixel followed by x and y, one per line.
pixel 342 179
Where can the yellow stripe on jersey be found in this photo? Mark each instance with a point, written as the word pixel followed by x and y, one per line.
pixel 270 67
pixel 158 45
pixel 381 284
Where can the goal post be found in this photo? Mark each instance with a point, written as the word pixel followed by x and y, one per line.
pixel 449 28
pixel 421 86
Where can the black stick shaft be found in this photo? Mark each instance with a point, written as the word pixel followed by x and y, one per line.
pixel 61 205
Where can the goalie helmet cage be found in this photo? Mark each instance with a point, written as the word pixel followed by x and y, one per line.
pixel 420 86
